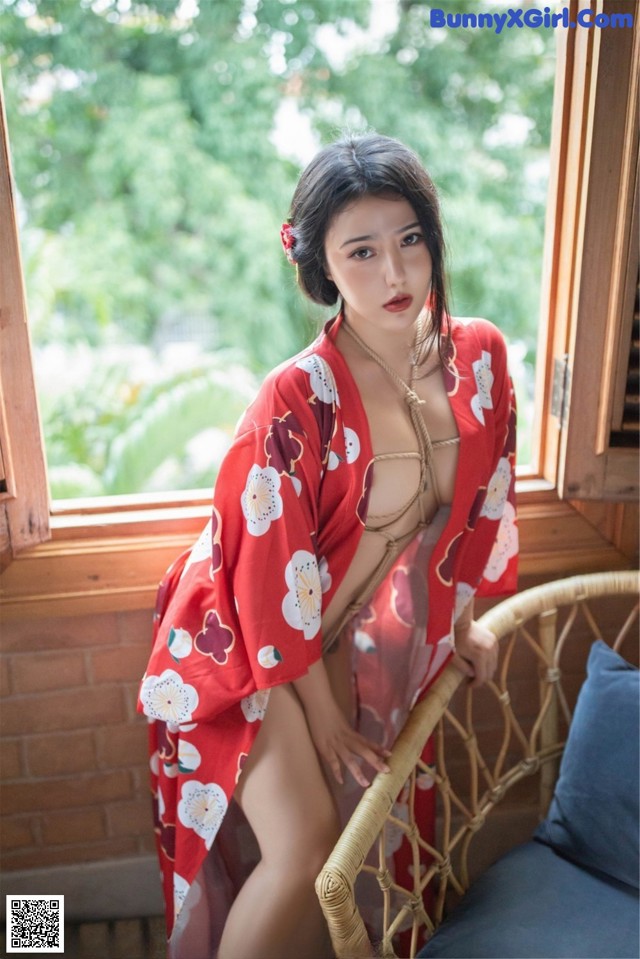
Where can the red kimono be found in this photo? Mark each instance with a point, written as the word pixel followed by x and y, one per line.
pixel 242 612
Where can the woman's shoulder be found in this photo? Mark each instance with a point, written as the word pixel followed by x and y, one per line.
pixel 287 388
pixel 314 367
pixel 476 326
pixel 475 330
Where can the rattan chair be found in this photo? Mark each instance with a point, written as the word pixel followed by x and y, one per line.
pixel 545 634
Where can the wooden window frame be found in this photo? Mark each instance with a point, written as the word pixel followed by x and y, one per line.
pixel 24 495
pixel 593 246
pixel 108 555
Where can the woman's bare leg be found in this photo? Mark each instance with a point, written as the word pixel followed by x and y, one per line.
pixel 337 662
pixel 286 799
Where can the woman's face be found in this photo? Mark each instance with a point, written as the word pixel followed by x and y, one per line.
pixel 377 256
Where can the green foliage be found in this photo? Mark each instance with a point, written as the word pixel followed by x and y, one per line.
pixel 119 426
pixel 152 188
pixel 171 416
pixel 477 109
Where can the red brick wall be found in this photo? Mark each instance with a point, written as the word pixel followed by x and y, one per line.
pixel 73 756
pixel 73 759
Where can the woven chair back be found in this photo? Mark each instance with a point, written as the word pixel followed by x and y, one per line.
pixel 497 748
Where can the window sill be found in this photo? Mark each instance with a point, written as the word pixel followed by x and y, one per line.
pixel 111 560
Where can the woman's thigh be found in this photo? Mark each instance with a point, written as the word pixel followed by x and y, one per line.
pixel 337 662
pixel 283 790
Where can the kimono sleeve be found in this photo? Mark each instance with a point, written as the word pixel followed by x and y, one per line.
pixel 268 581
pixel 500 573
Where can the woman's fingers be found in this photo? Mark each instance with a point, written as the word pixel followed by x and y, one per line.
pixel 464 665
pixel 335 767
pixel 342 756
pixel 353 766
pixel 357 748
pixel 373 758
pixel 480 670
pixel 341 746
pixel 477 654
pixel 350 754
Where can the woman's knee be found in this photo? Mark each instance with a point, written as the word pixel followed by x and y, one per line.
pixel 310 847
pixel 304 834
pixel 322 847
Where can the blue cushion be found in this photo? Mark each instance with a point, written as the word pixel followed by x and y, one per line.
pixel 534 903
pixel 594 816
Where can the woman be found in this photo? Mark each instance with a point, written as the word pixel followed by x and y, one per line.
pixel 368 494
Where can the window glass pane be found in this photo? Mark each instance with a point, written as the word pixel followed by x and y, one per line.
pixel 156 146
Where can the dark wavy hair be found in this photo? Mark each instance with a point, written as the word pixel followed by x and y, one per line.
pixel 345 171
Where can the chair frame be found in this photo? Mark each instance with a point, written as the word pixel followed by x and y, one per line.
pixel 463 813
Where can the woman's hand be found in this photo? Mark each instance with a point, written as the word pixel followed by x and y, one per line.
pixel 334 738
pixel 337 743
pixel 476 652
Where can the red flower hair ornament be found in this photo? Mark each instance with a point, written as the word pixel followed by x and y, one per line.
pixel 288 241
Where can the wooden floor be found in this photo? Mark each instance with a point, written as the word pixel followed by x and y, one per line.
pixel 115 939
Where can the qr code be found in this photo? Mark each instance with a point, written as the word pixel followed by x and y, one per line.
pixel 35 924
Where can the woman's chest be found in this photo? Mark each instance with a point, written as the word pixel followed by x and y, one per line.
pixel 413 434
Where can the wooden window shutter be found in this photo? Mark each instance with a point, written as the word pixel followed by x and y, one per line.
pixel 24 499
pixel 625 428
pixel 593 289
